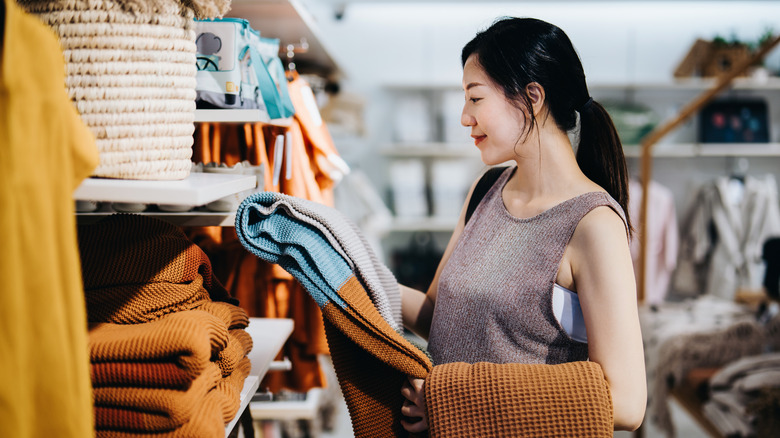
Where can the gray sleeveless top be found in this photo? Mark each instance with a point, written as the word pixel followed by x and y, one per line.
pixel 494 302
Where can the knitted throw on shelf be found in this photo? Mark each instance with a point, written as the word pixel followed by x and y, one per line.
pixel 372 359
pixel 191 347
pixel 137 268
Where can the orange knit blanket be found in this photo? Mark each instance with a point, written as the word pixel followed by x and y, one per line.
pixel 139 411
pixel 140 375
pixel 151 409
pixel 188 339
pixel 371 361
pixel 137 268
pixel 519 400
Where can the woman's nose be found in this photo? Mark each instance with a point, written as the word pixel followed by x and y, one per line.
pixel 467 119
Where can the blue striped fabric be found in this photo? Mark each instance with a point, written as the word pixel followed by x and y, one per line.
pixel 298 247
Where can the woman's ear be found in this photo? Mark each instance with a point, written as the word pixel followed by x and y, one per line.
pixel 536 94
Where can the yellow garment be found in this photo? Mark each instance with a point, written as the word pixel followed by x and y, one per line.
pixel 45 152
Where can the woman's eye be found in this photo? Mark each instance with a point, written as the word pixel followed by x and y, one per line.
pixel 475 99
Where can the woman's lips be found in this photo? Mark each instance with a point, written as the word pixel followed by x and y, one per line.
pixel 478 139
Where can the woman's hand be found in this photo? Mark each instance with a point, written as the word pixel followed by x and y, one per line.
pixel 414 405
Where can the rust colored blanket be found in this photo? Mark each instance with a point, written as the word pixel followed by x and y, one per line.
pixel 519 400
pixel 188 339
pixel 137 268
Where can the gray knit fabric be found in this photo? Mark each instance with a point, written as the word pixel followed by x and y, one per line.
pixel 494 302
pixel 347 239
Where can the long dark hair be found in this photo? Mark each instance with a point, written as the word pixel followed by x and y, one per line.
pixel 515 52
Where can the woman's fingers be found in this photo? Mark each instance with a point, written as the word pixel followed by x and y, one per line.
pixel 414 405
pixel 417 427
pixel 407 392
pixel 411 410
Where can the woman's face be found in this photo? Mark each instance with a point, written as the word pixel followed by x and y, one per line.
pixel 497 126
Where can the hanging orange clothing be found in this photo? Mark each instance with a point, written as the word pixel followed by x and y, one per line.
pixel 46 152
pixel 262 289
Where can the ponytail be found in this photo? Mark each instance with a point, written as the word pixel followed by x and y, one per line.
pixel 600 154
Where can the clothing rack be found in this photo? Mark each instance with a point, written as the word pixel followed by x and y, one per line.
pixel 647 144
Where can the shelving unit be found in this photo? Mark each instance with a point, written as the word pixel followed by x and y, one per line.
pixel 237 116
pixel 289 21
pixel 196 189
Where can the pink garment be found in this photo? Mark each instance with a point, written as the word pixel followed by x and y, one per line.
pixel 662 238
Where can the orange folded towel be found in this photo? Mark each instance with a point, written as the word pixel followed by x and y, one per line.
pixel 140 374
pixel 188 339
pixel 235 317
pixel 230 388
pixel 137 268
pixel 238 346
pixel 152 409
pixel 519 400
pixel 206 422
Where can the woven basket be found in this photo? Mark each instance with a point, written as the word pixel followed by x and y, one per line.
pixel 131 73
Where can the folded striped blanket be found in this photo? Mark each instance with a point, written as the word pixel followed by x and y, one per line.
pixel 371 357
pixel 339 239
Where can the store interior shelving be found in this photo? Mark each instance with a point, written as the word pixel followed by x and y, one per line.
pixel 292 23
pixel 663 97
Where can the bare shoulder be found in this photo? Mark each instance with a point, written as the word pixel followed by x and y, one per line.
pixel 601 226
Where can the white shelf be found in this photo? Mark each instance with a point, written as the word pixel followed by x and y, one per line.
pixel 432 150
pixel 422 224
pixel 288 410
pixel 268 337
pixel 689 84
pixel 289 21
pixel 186 219
pixel 238 116
pixel 197 189
pixel 250 388
pixel 689 150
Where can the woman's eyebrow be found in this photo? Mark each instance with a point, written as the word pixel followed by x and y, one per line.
pixel 472 85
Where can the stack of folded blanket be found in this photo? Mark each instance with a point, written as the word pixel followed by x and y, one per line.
pixel 745 396
pixel 168 348
pixel 360 302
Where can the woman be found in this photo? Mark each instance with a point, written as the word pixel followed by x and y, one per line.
pixel 551 233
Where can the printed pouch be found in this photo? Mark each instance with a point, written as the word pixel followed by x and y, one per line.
pixel 226 77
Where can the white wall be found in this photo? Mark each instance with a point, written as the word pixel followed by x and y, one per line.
pixel 420 42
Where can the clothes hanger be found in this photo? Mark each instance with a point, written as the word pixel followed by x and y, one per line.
pixel 738 168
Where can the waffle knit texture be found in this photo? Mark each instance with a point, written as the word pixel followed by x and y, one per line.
pixel 494 299
pixel 207 422
pixel 188 339
pixel 138 268
pixel 519 400
pixel 152 409
pixel 343 237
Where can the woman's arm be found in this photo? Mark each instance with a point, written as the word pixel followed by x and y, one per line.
pixel 604 279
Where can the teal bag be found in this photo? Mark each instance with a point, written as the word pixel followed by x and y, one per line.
pixel 272 82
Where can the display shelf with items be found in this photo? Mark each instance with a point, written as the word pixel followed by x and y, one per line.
pixel 424 126
pixel 294 26
pixel 237 116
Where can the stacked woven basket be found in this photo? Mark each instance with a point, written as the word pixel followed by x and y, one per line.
pixel 131 73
